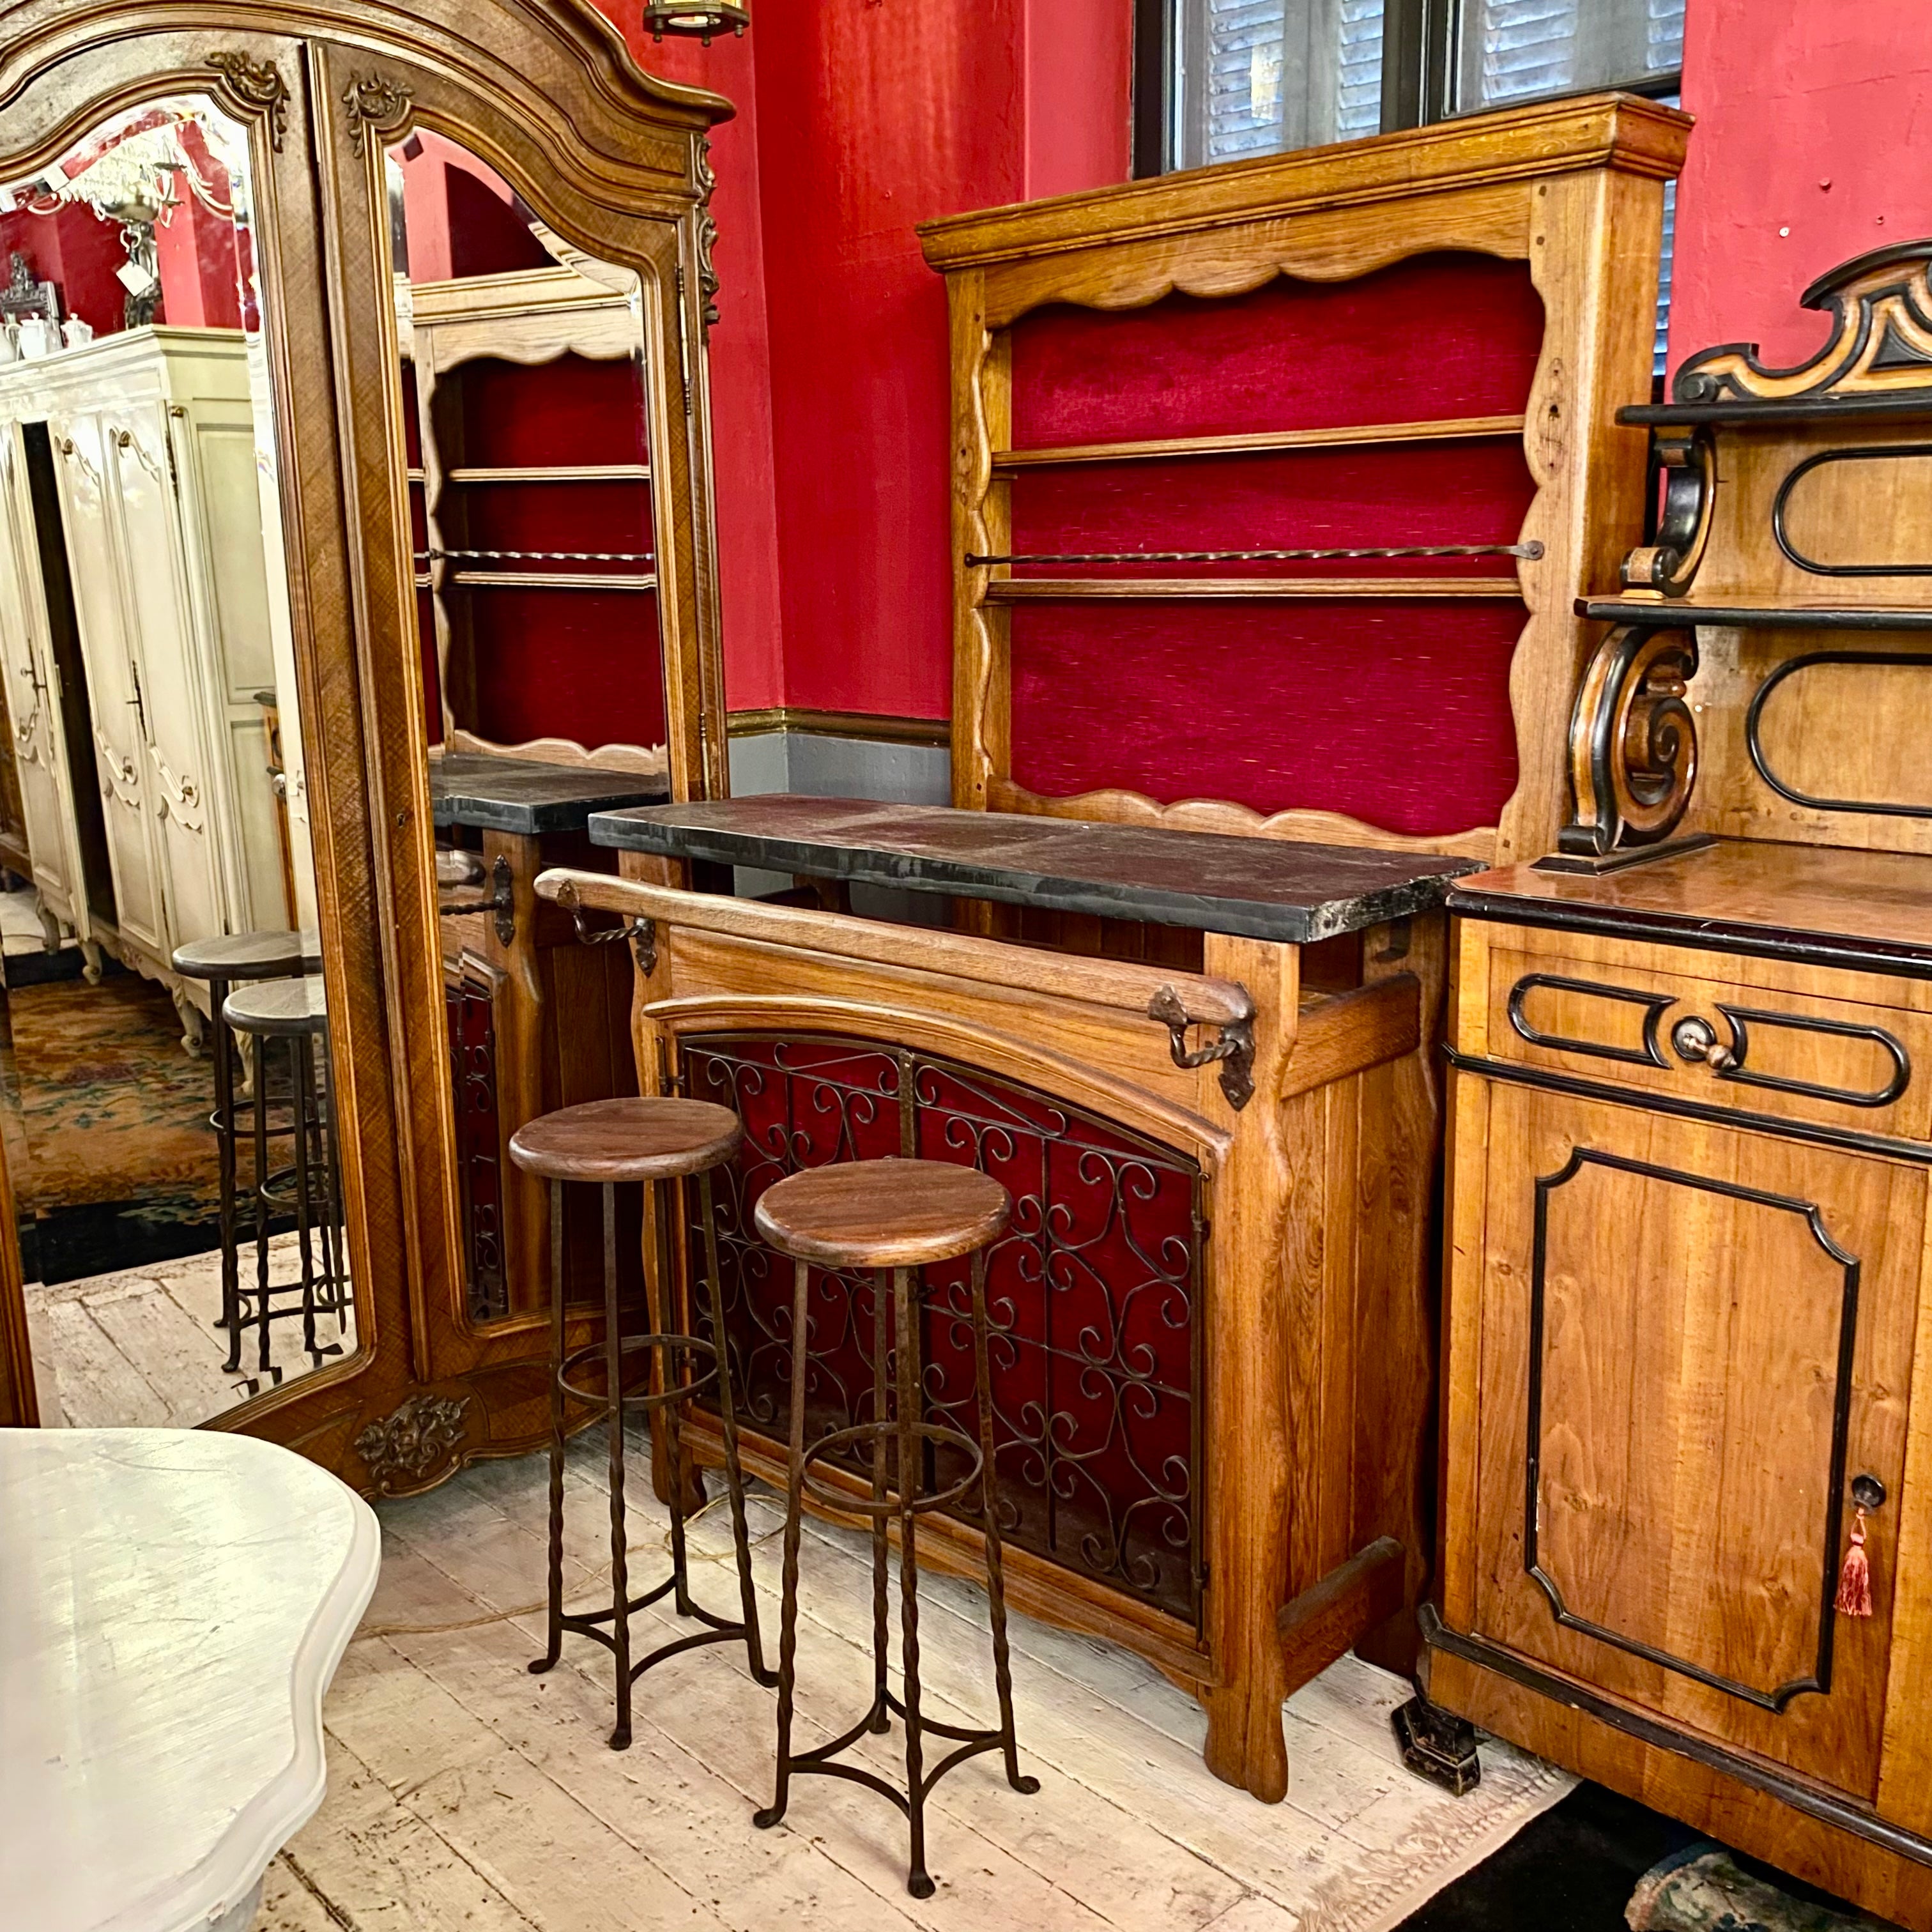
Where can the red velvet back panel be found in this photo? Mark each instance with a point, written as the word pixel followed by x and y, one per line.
pixel 572 410
pixel 1394 712
pixel 1397 713
pixel 573 664
pixel 1441 335
pixel 1447 493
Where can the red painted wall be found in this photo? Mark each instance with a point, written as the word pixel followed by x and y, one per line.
pixel 1812 120
pixel 742 401
pixel 858 120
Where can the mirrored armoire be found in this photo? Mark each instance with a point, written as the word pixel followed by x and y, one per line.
pixel 355 545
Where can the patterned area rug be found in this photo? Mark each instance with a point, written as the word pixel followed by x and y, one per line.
pixel 1701 1889
pixel 115 1118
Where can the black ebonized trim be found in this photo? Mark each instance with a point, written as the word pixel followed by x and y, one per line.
pixel 1684 616
pixel 1813 1215
pixel 1756 942
pixel 1741 1019
pixel 1646 1101
pixel 1649 1054
pixel 1909 403
pixel 1754 717
pixel 1839 1812
pixel 1860 453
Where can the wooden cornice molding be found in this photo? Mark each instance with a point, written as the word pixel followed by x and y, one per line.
pixel 867 725
pixel 1622 131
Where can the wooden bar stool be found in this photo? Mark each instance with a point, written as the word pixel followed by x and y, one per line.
pixel 295 1013
pixel 651 1140
pixel 892 1216
pixel 224 963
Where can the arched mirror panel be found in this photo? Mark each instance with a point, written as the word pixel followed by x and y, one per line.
pixel 354 546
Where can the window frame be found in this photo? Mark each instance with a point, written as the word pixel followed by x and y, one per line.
pixel 1420 56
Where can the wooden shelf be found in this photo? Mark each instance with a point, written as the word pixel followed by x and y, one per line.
pixel 548 580
pixel 1061 589
pixel 551 472
pixel 1448 429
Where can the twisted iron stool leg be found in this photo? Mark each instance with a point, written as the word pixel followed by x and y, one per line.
pixel 554 1646
pixel 663 1371
pixel 989 1504
pixel 911 1456
pixel 788 1611
pixel 301 1080
pixel 882 1716
pixel 224 1043
pixel 613 1371
pixel 260 1057
pixel 727 1420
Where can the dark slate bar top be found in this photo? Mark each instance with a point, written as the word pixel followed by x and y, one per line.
pixel 518 795
pixel 1259 888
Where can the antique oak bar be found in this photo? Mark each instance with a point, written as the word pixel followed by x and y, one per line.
pixel 1213 1366
pixel 1687 1498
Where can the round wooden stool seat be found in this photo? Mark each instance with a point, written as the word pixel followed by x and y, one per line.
pixel 280 1008
pixel 249 955
pixel 882 1214
pixel 650 1137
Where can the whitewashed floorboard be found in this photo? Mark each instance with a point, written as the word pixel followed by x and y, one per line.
pixel 479 1796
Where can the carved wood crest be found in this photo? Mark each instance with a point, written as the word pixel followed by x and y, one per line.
pixel 1881 307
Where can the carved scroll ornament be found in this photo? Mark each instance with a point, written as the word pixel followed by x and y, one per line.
pixel 376 105
pixel 1633 741
pixel 407 1446
pixel 258 88
pixel 1688 466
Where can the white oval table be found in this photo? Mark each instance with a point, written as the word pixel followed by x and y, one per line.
pixel 173 1603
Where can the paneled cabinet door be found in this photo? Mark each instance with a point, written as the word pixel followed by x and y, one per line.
pixel 1693 1339
pixel 100 608
pixel 174 702
pixel 33 702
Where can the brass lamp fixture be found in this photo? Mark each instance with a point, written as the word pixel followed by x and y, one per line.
pixel 699 19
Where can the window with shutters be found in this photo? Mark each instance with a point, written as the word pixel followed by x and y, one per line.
pixel 1217 79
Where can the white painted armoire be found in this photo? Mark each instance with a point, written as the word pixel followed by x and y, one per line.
pixel 153 454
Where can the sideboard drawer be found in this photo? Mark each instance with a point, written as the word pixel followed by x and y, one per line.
pixel 1721 1043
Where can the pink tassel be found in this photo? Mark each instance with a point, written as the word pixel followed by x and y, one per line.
pixel 1855 1597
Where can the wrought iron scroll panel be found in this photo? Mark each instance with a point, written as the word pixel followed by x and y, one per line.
pixel 1095 1293
pixel 472 1055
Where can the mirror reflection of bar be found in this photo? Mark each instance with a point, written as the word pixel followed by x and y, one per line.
pixel 169 1098
pixel 533 526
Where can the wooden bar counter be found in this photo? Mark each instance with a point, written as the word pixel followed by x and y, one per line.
pixel 1213 1361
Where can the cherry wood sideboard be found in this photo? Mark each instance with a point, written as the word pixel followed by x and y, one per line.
pixel 1687 1498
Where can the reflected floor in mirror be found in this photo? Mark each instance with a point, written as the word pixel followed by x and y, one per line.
pixel 145 1348
pixel 464 1792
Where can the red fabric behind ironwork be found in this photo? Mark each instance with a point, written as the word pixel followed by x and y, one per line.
pixel 1441 335
pixel 1397 713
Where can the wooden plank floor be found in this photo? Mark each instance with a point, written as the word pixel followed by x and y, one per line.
pixel 466 1793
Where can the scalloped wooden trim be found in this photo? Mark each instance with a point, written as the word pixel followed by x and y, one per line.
pixel 1222 815
pixel 648 761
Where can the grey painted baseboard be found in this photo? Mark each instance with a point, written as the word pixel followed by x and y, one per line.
pixel 826 767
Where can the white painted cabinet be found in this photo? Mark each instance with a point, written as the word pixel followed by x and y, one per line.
pixel 152 440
